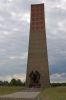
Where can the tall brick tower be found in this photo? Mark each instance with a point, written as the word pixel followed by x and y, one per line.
pixel 37 65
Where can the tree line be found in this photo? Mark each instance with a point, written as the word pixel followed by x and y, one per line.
pixel 18 82
pixel 13 82
pixel 57 84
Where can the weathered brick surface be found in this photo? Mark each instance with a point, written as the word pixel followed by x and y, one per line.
pixel 37 53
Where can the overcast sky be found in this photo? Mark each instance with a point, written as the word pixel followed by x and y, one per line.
pixel 14 38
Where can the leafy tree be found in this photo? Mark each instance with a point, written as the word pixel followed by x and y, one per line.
pixel 5 83
pixel 13 82
pixel 1 83
pixel 19 83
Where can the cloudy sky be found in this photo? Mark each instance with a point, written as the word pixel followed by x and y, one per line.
pixel 14 38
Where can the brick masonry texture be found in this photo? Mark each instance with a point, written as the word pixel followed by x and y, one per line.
pixel 37 52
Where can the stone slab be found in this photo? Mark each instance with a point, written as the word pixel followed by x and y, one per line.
pixel 29 95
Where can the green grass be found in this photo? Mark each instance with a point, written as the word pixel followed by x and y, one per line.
pixel 53 93
pixel 8 90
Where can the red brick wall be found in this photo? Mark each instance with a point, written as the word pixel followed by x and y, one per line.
pixel 37 53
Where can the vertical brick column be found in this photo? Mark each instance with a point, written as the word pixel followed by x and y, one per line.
pixel 37 52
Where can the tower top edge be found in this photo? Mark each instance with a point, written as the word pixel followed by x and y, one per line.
pixel 41 4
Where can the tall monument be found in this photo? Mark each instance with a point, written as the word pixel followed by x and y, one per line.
pixel 37 65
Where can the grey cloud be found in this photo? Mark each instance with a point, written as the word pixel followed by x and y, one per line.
pixel 58 77
pixel 15 41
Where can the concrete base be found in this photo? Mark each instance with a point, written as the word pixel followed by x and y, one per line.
pixel 25 95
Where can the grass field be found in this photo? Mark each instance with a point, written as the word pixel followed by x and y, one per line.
pixel 53 93
pixel 8 90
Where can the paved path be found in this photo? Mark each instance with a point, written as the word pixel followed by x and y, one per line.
pixel 22 95
pixel 29 94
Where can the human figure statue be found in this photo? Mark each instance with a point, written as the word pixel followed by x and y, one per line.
pixel 34 79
